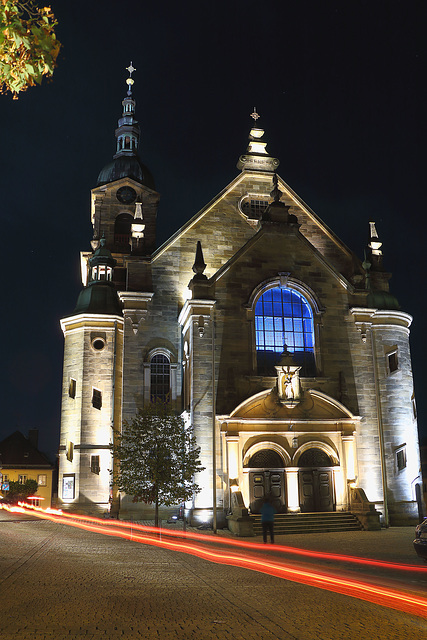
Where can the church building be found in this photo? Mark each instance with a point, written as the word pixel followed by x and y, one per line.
pixel 286 352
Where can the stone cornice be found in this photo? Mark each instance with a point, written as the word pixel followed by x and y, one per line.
pixel 90 320
pixel 195 309
pixel 367 319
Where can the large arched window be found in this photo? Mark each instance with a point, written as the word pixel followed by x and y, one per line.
pixel 284 318
pixel 160 382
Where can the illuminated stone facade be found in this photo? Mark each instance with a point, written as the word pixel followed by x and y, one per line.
pixel 270 294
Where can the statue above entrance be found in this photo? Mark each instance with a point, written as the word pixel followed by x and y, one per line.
pixel 288 382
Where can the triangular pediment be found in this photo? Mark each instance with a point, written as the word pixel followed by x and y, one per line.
pixel 263 243
pixel 223 219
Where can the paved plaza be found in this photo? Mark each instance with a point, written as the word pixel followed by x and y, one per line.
pixel 58 582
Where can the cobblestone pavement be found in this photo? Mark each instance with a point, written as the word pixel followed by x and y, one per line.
pixel 59 583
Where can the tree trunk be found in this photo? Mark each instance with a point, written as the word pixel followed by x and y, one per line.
pixel 156 510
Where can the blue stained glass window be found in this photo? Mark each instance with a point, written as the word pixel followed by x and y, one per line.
pixel 283 317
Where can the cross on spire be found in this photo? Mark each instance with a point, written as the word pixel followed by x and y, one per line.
pixel 255 115
pixel 131 69
pixel 130 81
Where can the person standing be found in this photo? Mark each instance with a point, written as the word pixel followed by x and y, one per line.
pixel 267 520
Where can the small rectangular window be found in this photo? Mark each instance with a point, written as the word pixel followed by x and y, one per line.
pixel 72 388
pixel 70 451
pixel 401 458
pixel 97 398
pixel 392 362
pixel 22 479
pixel 42 480
pixel 94 464
pixel 414 408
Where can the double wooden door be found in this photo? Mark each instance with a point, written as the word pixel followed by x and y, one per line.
pixel 267 483
pixel 316 490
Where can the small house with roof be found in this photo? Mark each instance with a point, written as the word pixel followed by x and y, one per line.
pixel 21 460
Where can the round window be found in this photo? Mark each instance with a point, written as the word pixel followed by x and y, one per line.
pixel 98 344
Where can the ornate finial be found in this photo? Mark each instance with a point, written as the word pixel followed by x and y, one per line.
pixel 374 249
pixel 199 264
pixel 374 243
pixel 276 194
pixel 256 157
pixel 130 81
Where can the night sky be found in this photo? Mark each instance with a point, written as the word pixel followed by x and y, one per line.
pixel 340 87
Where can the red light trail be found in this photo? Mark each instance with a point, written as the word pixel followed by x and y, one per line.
pixel 203 537
pixel 383 596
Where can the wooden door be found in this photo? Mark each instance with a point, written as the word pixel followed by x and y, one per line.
pixel 267 483
pixel 316 490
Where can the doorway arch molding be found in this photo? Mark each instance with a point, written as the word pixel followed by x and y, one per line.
pixel 315 444
pixel 267 444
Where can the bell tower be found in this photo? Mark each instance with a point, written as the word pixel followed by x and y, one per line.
pixel 125 197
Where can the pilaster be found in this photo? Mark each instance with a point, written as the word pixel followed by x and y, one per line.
pixel 198 331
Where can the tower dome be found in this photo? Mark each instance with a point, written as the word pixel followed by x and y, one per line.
pixel 383 300
pixel 100 295
pixel 126 167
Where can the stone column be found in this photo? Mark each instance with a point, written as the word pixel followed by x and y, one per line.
pixel 196 319
pixel 233 457
pixel 292 489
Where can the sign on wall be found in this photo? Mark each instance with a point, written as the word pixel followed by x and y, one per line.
pixel 68 487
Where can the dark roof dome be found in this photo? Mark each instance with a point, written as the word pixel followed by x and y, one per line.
pixel 99 297
pixel 382 300
pixel 102 256
pixel 126 166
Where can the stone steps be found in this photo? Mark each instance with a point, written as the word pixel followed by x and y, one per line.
pixel 287 523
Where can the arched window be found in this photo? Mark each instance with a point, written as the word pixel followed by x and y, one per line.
pixel 122 228
pixel 315 458
pixel 266 458
pixel 284 318
pixel 160 379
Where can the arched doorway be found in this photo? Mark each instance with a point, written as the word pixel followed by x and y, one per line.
pixel 315 479
pixel 266 479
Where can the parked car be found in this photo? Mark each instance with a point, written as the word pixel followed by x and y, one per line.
pixel 420 542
